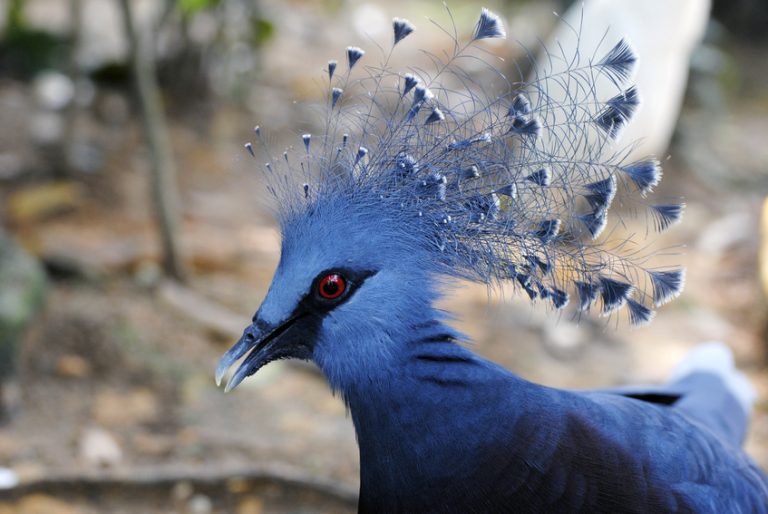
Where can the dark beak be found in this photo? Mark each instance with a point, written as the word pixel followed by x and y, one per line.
pixel 263 343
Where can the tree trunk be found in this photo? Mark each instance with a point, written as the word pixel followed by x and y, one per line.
pixel 163 167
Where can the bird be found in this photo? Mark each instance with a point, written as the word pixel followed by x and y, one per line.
pixel 427 175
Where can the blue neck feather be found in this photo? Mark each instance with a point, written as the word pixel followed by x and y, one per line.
pixel 407 418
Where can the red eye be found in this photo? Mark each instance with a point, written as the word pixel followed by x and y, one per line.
pixel 332 286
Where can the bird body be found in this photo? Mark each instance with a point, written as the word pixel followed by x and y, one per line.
pixel 430 190
pixel 460 434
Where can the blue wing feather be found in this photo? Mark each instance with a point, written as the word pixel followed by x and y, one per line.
pixel 672 448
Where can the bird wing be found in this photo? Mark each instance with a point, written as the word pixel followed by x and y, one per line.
pixel 683 449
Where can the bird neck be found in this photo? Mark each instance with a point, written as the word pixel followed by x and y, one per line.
pixel 430 370
pixel 435 414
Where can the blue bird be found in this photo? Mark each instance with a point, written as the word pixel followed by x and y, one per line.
pixel 423 177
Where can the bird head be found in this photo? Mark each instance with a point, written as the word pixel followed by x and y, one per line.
pixel 435 183
pixel 350 277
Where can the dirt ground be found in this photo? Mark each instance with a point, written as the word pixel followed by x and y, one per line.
pixel 119 411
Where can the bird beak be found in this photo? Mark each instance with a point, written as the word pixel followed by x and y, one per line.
pixel 263 341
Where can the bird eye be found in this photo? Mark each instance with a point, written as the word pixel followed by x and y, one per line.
pixel 331 286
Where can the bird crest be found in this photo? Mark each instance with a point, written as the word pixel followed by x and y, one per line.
pixel 517 184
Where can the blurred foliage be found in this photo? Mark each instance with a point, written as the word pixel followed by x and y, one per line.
pixel 714 74
pixel 745 19
pixel 112 73
pixel 22 291
pixel 188 67
pixel 262 31
pixel 25 50
pixel 15 15
pixel 191 7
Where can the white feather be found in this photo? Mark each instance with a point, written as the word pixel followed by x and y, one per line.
pixel 715 357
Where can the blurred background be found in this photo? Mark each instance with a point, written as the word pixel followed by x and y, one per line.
pixel 136 242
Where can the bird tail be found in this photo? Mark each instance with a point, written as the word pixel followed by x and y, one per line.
pixel 717 393
pixel 716 358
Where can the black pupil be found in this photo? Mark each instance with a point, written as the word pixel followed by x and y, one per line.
pixel 331 286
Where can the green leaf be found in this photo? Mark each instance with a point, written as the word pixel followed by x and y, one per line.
pixel 262 31
pixel 192 7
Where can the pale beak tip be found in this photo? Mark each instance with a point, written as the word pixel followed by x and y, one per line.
pixel 222 368
pixel 239 376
